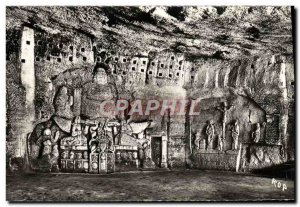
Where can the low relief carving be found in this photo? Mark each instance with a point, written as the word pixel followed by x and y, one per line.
pixel 197 140
pixel 235 132
pixel 96 136
pixel 230 137
pixel 76 137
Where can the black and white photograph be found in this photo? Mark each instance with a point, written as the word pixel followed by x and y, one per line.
pixel 150 103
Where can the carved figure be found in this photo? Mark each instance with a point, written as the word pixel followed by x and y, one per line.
pixel 94 158
pixel 78 155
pixel 64 155
pixel 47 148
pixel 220 143
pixel 210 132
pixel 71 155
pixel 78 165
pixel 256 133
pixel 197 141
pixel 103 140
pixel 123 155
pixel 102 157
pixel 60 122
pixel 118 155
pixel 77 139
pixel 99 90
pixel 130 156
pixel 55 153
pixel 134 155
pixel 46 135
pixel 235 132
pixel 85 155
pixel 86 129
pixel 76 127
pixel 146 150
pixel 48 141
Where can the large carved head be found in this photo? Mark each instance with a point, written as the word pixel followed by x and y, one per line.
pixel 63 90
pixel 100 74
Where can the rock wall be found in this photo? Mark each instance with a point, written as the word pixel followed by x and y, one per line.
pixel 181 64
pixel 263 156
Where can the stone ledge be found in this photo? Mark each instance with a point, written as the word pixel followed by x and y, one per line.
pixel 212 151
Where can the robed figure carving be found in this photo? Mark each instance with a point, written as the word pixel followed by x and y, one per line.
pixel 210 132
pixel 100 90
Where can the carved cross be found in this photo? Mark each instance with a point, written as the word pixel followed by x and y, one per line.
pixel 224 109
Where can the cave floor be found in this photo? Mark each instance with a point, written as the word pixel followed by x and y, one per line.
pixel 187 185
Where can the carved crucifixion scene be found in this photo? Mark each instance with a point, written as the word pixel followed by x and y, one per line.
pixel 187 93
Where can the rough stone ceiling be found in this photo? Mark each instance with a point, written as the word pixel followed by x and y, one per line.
pixel 217 32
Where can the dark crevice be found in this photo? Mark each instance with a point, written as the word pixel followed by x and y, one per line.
pixel 177 12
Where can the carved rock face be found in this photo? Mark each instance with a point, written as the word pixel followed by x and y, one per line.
pixel 62 103
pixel 263 156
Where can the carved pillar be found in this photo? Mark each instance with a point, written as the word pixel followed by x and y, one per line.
pixel 102 162
pixel 94 163
pixel 284 108
pixel 148 138
pixel 217 79
pixel 24 123
pixel 164 146
pixel 27 67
